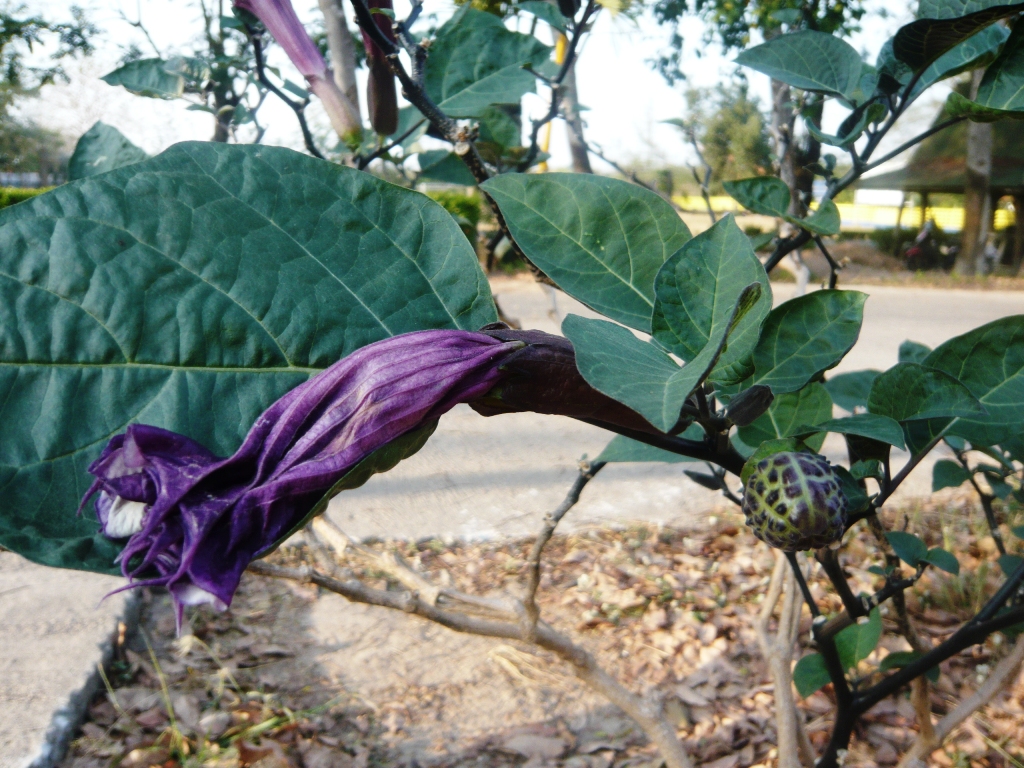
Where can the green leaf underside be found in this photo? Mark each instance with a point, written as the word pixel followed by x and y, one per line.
pixel 475 62
pixel 1002 87
pixel 989 361
pixel 600 240
pixel 948 474
pixel 811 60
pixel 189 292
pixel 921 42
pixel 911 391
pixel 823 221
pixel 857 642
pixel 810 674
pixel 876 427
pixel 638 374
pixel 767 195
pixel 851 390
pixel 806 336
pixel 545 11
pixel 623 450
pixel 908 547
pixel 789 413
pixel 972 52
pixel 147 77
pixel 100 149
pixel 696 293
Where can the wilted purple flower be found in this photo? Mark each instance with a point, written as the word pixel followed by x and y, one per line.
pixel 280 19
pixel 195 521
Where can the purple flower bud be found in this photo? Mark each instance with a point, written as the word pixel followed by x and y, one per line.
pixel 280 19
pixel 195 521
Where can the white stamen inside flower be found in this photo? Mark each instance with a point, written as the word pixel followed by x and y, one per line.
pixel 124 518
pixel 190 594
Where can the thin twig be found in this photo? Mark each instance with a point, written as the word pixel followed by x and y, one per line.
pixel 598 152
pixel 587 472
pixel 833 266
pixel 298 107
pixel 362 162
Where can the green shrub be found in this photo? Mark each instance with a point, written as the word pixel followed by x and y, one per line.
pixel 465 209
pixel 12 195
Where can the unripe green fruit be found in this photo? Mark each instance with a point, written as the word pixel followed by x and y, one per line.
pixel 794 501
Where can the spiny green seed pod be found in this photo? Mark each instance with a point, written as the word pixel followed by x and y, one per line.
pixel 794 501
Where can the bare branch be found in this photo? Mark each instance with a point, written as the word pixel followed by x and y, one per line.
pixel 647 713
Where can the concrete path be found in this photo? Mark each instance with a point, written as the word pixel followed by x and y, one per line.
pixel 476 477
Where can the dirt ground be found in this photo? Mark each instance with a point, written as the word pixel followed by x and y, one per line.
pixel 294 677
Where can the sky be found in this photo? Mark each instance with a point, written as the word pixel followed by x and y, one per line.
pixel 625 99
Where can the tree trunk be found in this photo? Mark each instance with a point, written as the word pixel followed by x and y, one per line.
pixel 783 126
pixel 343 51
pixel 574 123
pixel 976 191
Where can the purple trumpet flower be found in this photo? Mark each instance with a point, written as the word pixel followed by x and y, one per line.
pixel 280 19
pixel 194 521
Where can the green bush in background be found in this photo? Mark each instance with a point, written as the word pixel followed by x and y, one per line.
pixel 464 208
pixel 12 195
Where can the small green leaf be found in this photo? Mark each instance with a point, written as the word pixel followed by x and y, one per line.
pixel 787 414
pixel 913 352
pixel 943 560
pixel 100 149
pixel 948 474
pixel 850 390
pixel 809 60
pixel 861 470
pixel 877 570
pixel 961 106
pixel 1018 531
pixel 824 221
pixel 880 428
pixel 545 11
pixel 857 500
pixel 623 450
pixel 900 659
pixel 910 391
pixel 601 240
pixel 766 195
pixel 806 336
pixel 147 77
pixel 857 642
pixel 908 547
pixel 444 166
pixel 810 674
pixel 1010 563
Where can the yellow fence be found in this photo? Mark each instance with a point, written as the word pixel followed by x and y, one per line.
pixel 863 218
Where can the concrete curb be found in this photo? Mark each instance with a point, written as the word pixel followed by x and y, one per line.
pixel 67 719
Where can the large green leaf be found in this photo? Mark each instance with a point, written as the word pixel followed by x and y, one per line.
pixel 190 291
pixel 601 240
pixel 806 336
pixel 989 361
pixel 790 413
pixel 638 374
pixel 944 25
pixel 100 149
pixel 148 77
pixel 869 425
pixel 911 391
pixel 475 61
pixel 767 195
pixel 813 61
pixel 696 292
